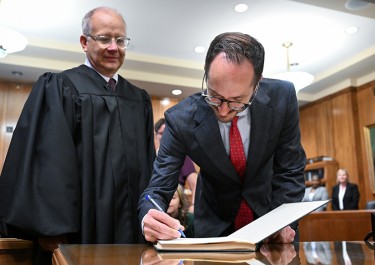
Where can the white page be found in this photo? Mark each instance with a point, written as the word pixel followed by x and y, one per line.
pixel 275 220
pixel 198 240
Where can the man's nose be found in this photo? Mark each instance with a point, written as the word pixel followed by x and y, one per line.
pixel 113 45
pixel 223 109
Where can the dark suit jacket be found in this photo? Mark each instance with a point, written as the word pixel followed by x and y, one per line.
pixel 275 165
pixel 351 197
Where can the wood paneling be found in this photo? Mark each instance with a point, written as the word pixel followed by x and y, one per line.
pixel 335 225
pixel 158 108
pixel 330 127
pixel 12 97
pixel 316 128
pixel 344 133
pixel 366 117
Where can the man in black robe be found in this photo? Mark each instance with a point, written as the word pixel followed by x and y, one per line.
pixel 82 151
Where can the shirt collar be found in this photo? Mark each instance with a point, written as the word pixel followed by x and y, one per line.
pixel 106 78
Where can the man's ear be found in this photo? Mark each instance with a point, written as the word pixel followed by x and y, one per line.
pixel 83 41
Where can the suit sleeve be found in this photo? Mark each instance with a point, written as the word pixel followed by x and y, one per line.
pixel 288 184
pixel 353 204
pixel 39 185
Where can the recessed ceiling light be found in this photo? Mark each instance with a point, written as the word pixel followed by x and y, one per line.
pixel 240 8
pixel 176 92
pixel 165 102
pixel 356 4
pixel 199 49
pixel 351 29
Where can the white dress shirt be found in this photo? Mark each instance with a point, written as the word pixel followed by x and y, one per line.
pixel 243 125
pixel 341 197
pixel 115 76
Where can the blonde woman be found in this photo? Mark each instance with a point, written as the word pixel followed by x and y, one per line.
pixel 345 195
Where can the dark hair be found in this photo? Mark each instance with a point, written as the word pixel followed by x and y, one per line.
pixel 158 124
pixel 237 47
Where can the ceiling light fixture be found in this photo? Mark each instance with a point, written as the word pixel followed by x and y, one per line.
pixel 176 92
pixel 240 8
pixel 356 4
pixel 351 30
pixel 165 102
pixel 11 41
pixel 199 49
pixel 299 79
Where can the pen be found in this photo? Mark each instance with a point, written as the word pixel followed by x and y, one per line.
pixel 148 197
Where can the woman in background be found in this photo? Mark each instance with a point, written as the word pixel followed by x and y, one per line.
pixel 316 192
pixel 178 208
pixel 345 195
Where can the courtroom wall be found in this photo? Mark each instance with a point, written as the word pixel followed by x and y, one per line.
pixel 333 126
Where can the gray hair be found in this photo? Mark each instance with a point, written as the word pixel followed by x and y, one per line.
pixel 86 21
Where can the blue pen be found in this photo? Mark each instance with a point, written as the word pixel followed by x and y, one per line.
pixel 148 197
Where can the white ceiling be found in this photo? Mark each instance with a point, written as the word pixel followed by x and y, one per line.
pixel 164 34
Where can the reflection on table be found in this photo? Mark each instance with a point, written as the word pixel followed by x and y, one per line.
pixel 317 252
pixel 298 253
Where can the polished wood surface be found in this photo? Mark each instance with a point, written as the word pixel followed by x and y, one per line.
pixel 300 253
pixel 15 251
pixel 350 225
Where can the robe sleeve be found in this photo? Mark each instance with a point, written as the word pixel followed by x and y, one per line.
pixel 39 184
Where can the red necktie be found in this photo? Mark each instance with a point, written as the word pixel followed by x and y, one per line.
pixel 238 159
pixel 112 84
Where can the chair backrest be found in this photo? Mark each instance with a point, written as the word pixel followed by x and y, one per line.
pixel 370 205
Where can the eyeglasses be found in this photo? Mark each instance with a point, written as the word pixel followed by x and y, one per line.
pixel 233 105
pixel 105 41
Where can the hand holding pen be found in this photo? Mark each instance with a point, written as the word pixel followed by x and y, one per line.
pixel 148 198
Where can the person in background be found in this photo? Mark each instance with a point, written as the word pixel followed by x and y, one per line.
pixel 243 133
pixel 345 195
pixel 82 151
pixel 316 192
pixel 188 173
pixel 178 209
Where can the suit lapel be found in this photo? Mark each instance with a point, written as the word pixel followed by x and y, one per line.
pixel 208 136
pixel 261 117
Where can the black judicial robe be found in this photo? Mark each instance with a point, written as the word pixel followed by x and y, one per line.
pixel 79 159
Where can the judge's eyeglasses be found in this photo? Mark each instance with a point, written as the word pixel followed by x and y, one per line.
pixel 233 105
pixel 106 41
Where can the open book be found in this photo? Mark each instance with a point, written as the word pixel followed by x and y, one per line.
pixel 223 256
pixel 246 238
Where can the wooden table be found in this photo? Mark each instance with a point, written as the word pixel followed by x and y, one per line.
pixel 15 251
pixel 299 253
